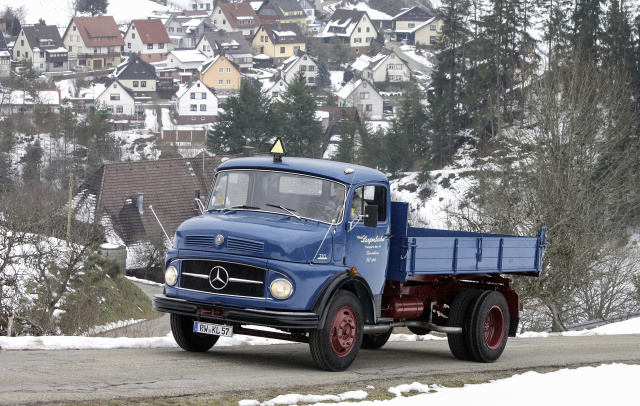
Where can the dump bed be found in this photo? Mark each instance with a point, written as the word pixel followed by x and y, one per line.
pixel 423 251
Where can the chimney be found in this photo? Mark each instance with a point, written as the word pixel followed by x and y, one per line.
pixel 141 203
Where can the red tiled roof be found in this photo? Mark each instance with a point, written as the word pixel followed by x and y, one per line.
pixel 102 27
pixel 234 10
pixel 151 31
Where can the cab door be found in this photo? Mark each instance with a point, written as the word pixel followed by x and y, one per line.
pixel 367 248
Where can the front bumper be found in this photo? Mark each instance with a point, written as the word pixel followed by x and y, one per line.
pixel 233 315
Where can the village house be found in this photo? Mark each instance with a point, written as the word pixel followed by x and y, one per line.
pixel 138 76
pixel 236 17
pixel 231 44
pixel 279 41
pixel 43 46
pixel 364 97
pixel 285 11
pixel 148 38
pixel 221 74
pixel 196 103
pixel 185 63
pixel 300 62
pixel 386 66
pixel 5 58
pixel 274 86
pixel 409 22
pixel 94 42
pixel 353 27
pixel 117 99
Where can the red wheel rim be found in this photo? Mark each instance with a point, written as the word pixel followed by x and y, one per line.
pixel 343 331
pixel 494 327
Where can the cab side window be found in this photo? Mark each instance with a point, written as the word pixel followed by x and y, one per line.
pixel 366 196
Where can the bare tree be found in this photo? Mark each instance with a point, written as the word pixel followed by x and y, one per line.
pixel 574 169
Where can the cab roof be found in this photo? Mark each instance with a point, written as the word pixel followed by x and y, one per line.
pixel 338 171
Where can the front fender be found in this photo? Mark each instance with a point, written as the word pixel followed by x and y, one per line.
pixel 346 281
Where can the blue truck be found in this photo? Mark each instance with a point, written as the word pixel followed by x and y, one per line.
pixel 315 251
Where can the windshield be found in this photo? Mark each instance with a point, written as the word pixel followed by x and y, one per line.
pixel 285 193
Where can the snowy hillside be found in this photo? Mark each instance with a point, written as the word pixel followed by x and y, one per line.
pixel 59 12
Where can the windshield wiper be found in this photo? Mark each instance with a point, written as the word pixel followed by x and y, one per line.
pixel 244 206
pixel 290 211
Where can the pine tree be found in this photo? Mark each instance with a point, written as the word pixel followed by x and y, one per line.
pixel 586 26
pixel 92 6
pixel 31 161
pixel 300 130
pixel 348 145
pixel 323 78
pixel 247 120
pixel 617 39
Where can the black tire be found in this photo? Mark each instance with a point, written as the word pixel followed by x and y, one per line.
pixel 187 339
pixel 375 341
pixel 336 345
pixel 488 327
pixel 459 314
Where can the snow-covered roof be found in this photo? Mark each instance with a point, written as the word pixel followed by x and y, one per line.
pixel 189 55
pixel 348 89
pixel 47 97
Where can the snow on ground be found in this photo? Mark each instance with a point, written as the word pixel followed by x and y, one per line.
pixel 60 12
pixel 582 386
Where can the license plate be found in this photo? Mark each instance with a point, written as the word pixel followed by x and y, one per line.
pixel 212 329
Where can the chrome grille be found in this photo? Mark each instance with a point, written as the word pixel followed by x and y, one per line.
pixel 243 280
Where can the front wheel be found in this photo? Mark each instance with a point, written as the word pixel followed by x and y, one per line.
pixel 187 339
pixel 335 346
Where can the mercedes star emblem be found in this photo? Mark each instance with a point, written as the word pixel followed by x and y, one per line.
pixel 218 277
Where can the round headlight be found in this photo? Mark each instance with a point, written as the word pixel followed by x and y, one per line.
pixel 171 276
pixel 281 289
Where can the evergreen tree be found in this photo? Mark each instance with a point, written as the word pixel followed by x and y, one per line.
pixel 16 27
pixel 247 120
pixel 586 26
pixel 300 130
pixel 32 161
pixel 445 97
pixel 405 141
pixel 556 30
pixel 323 78
pixel 348 144
pixel 92 6
pixel 617 48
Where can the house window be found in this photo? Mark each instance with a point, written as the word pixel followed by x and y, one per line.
pixel 432 40
pixel 359 29
pixel 150 46
pixel 368 29
pixel 143 83
pixel 133 36
pixel 129 45
pixel 193 107
pixel 228 82
pixel 274 94
pixel 357 40
pixel 114 96
pixel 432 27
pixel 119 109
pixel 369 107
pixel 135 83
pixel 221 82
pixel 412 25
pixel 160 46
pixel 204 96
pixel 41 54
pixel 364 95
pixel 18 54
pixel 357 50
pixel 303 68
pixel 201 118
pixel 220 70
pixel 282 50
pixel 193 119
pixel 311 79
pixel 203 107
pixel 312 68
pixel 228 70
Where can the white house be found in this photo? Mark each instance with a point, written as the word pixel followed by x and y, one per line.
pixel 186 62
pixel 274 86
pixel 353 27
pixel 364 97
pixel 148 38
pixel 386 65
pixel 300 62
pixel 118 99
pixel 196 103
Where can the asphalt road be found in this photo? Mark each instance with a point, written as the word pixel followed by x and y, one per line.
pixel 100 375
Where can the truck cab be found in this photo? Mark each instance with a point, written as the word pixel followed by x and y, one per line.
pixel 303 246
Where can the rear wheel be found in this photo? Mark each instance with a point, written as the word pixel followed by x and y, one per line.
pixel 335 346
pixel 488 327
pixel 459 315
pixel 187 339
pixel 375 341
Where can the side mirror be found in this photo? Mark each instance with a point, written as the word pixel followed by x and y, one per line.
pixel 371 216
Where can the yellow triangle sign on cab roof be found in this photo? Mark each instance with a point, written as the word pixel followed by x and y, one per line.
pixel 277 150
